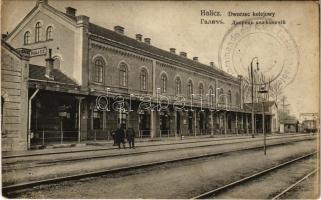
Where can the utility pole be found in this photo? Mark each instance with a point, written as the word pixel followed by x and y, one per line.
pixel 263 91
pixel 252 93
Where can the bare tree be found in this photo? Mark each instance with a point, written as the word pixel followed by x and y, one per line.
pixel 276 90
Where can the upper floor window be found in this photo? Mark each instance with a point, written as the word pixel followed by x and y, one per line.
pixel 99 70
pixel 143 79
pixel 123 75
pixel 27 37
pixel 238 98
pixel 211 95
pixel 178 86
pixel 201 89
pixel 221 97
pixel 37 32
pixel 164 83
pixel 49 33
pixel 190 89
pixel 229 94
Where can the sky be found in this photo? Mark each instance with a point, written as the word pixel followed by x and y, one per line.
pixel 178 24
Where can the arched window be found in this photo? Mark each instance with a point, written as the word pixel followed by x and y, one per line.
pixel 178 86
pixel 201 89
pixel 49 33
pixel 237 98
pixel 37 32
pixel 143 79
pixel 229 97
pixel 27 37
pixel 99 70
pixel 123 75
pixel 190 89
pixel 210 95
pixel 221 96
pixel 56 63
pixel 164 83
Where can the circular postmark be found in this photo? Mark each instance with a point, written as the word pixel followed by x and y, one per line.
pixel 267 45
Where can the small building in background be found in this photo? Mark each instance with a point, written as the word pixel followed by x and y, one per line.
pixel 289 125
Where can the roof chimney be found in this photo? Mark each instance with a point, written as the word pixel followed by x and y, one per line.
pixel 184 54
pixel 42 1
pixel 119 29
pixel 212 64
pixel 71 11
pixel 49 66
pixel 147 40
pixel 139 37
pixel 172 50
pixel 195 59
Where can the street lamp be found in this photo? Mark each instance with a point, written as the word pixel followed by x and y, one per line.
pixel 252 89
pixel 263 91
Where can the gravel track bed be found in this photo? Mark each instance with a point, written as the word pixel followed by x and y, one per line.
pixel 307 189
pixel 272 183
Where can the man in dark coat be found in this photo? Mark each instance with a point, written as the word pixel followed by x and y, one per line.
pixel 130 134
pixel 120 136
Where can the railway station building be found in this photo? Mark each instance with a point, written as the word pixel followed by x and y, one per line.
pixel 80 74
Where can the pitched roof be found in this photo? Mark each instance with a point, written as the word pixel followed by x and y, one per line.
pixel 15 51
pixel 38 72
pixel 107 33
pixel 289 120
pixel 112 35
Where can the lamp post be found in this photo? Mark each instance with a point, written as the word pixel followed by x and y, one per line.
pixel 263 91
pixel 252 89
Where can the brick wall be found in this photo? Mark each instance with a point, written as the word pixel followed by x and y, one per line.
pixel 14 96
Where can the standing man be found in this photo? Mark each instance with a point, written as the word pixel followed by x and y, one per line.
pixel 130 133
pixel 120 136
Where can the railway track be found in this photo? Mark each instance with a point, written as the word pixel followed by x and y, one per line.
pixel 4 157
pixel 57 161
pixel 282 193
pixel 224 188
pixel 22 186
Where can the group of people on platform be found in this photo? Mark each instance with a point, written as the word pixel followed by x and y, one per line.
pixel 121 134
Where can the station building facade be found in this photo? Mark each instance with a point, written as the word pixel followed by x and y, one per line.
pixel 80 73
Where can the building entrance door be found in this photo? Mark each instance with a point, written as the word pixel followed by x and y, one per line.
pixel 201 122
pixel 164 124
pixel 190 122
pixel 178 123
pixel 144 125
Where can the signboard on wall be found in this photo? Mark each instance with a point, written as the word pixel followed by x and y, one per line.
pixel 38 52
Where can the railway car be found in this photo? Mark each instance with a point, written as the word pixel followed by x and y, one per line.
pixel 309 126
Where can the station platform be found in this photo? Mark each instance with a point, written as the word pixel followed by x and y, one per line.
pixel 139 142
